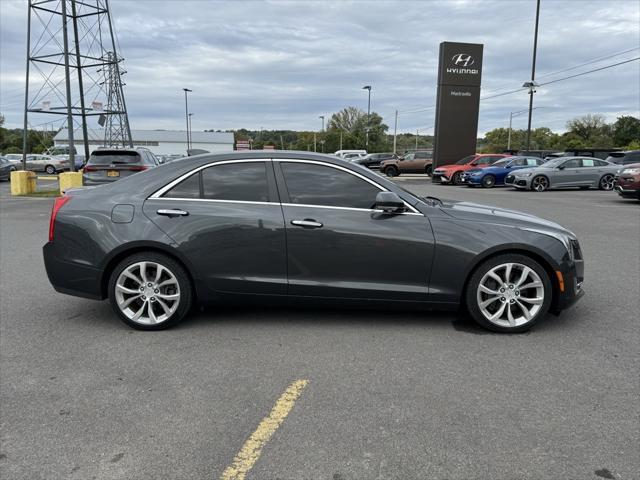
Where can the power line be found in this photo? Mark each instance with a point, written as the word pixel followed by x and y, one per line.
pixel 591 71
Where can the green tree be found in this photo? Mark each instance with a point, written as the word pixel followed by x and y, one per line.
pixel 626 130
pixel 592 130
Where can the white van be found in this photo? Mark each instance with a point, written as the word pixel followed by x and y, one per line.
pixel 342 153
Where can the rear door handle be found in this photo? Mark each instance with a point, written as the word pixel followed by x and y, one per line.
pixel 172 212
pixel 306 223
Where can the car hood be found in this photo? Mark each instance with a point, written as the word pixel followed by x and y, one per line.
pixel 453 167
pixel 488 214
pixel 475 170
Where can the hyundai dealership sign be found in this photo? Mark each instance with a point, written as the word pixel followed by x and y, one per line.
pixel 458 101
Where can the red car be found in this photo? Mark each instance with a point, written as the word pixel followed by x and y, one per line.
pixel 628 181
pixel 452 173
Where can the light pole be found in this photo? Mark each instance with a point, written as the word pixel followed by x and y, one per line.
pixel 532 84
pixel 322 118
pixel 395 133
pixel 186 115
pixel 190 131
pixel 511 115
pixel 417 133
pixel 368 87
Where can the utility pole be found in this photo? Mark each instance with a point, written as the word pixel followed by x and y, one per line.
pixel 509 139
pixel 65 40
pixel 417 132
pixel 532 84
pixel 340 140
pixel 395 133
pixel 314 142
pixel 73 34
pixel 368 87
pixel 186 116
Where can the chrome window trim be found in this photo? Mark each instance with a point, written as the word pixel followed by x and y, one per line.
pixel 157 195
pixel 338 167
pixel 214 200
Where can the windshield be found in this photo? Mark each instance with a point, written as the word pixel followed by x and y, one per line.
pixel 465 160
pixel 503 162
pixel 108 158
pixel 554 162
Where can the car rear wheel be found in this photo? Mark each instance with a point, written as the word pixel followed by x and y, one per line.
pixel 607 182
pixel 391 172
pixel 150 291
pixel 509 293
pixel 539 183
pixel 488 181
pixel 456 179
pixel 428 169
pixel 50 169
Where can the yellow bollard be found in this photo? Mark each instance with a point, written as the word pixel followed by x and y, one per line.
pixel 23 182
pixel 69 180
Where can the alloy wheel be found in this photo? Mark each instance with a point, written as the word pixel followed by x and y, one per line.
pixel 607 182
pixel 510 295
pixel 540 184
pixel 50 170
pixel 147 293
pixel 456 179
pixel 488 181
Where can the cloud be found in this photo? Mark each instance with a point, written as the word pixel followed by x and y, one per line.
pixel 281 64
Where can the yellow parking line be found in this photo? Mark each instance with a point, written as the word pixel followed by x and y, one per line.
pixel 252 448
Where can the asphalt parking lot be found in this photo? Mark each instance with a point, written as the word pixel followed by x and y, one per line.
pixel 390 395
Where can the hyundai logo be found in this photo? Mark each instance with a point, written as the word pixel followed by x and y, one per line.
pixel 462 60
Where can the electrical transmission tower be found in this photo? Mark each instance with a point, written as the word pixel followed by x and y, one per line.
pixel 73 72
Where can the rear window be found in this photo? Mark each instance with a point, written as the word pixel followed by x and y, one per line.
pixel 465 160
pixel 113 158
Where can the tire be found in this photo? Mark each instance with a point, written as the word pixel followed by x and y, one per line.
pixel 539 183
pixel 455 178
pixel 50 169
pixel 488 181
pixel 391 172
pixel 508 305
pixel 156 307
pixel 606 182
pixel 428 169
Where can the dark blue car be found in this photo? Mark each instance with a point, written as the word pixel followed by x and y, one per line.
pixel 495 174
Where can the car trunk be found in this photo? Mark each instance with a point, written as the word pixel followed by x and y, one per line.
pixel 111 166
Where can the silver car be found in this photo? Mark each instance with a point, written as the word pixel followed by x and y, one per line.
pixel 581 172
pixel 47 164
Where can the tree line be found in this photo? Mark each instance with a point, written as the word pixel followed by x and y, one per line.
pixel 347 130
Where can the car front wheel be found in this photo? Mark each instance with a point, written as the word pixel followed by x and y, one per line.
pixel 539 183
pixel 456 179
pixel 607 182
pixel 50 169
pixel 391 172
pixel 150 291
pixel 509 293
pixel 488 181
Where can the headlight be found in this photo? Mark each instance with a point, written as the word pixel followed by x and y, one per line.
pixel 631 171
pixel 526 174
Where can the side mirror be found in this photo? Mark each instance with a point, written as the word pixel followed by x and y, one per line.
pixel 389 202
pixel 474 164
pixel 561 167
pixel 509 166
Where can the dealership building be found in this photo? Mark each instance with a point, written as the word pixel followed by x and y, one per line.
pixel 160 142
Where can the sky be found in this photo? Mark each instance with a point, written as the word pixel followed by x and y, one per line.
pixel 281 64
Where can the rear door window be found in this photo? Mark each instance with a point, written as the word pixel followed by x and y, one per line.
pixel 588 162
pixel 236 181
pixel 188 188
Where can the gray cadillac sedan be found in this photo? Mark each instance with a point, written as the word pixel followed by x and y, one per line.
pixel 304 228
pixel 562 172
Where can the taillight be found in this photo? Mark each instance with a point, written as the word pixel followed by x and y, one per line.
pixel 138 168
pixel 88 168
pixel 57 205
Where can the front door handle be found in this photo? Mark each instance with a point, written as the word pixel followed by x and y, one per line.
pixel 306 223
pixel 172 212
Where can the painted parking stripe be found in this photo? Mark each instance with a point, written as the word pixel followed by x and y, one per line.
pixel 252 448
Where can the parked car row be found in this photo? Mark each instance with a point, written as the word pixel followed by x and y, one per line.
pixel 537 174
